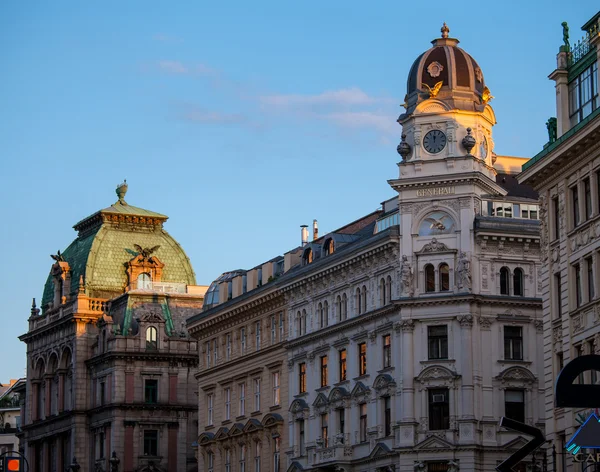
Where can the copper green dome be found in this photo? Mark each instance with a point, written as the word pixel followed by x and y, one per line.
pixel 107 241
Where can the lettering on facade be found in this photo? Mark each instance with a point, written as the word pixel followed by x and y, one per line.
pixel 435 191
pixel 590 458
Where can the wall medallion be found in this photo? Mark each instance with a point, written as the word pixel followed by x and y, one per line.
pixel 435 69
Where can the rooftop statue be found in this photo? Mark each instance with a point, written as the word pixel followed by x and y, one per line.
pixel 58 257
pixel 566 36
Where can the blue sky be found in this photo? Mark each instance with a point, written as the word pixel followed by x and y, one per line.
pixel 239 120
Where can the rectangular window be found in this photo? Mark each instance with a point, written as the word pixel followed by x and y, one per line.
pixel 101 444
pixel 228 347
pixel 341 413
pixel 325 429
pixel 273 330
pixel 151 391
pixel 513 343
pixel 210 461
pixel 302 377
pixel 301 436
pixel 243 458
pixel 227 395
pixel 437 339
pixel 559 361
pixel 514 405
pixel 243 340
pixel 227 460
pixel 324 371
pixel 276 388
pixel 590 274
pixel 281 329
pixel 342 365
pixel 575 202
pixel 577 270
pixel 587 191
pixel 362 359
pixel 556 216
pixel 242 395
pixel 215 352
pixel 387 416
pixel 387 351
pixel 208 354
pixel 150 442
pixel 593 373
pixel 276 454
pixel 257 456
pixel 256 394
pixel 578 353
pixel 257 329
pixel 439 409
pixel 557 294
pixel 102 393
pixel 210 408
pixel 363 422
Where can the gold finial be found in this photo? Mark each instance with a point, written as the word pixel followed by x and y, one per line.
pixel 81 284
pixel 445 30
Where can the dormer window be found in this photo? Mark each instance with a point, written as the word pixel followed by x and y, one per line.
pixel 151 342
pixel 307 257
pixel 144 281
pixel 329 247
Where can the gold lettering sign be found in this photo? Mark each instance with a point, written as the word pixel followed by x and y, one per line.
pixel 435 191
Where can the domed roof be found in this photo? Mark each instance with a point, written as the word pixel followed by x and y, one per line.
pixel 106 243
pixel 448 73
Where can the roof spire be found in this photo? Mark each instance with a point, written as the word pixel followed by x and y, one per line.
pixel 445 30
pixel 122 191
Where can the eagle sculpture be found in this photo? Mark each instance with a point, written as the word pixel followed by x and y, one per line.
pixel 437 224
pixel 435 90
pixel 145 251
pixel 486 96
pixel 58 257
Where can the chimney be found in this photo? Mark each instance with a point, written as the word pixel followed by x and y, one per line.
pixel 304 233
pixel 315 230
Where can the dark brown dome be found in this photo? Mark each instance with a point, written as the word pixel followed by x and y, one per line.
pixel 461 77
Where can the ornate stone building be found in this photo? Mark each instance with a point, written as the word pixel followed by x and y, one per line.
pixel 110 367
pixel 567 175
pixel 10 415
pixel 242 381
pixel 411 330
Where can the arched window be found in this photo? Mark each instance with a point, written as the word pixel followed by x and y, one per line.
pixel 364 299
pixel 299 324
pixel 444 271
pixel 358 302
pixel 429 278
pixel 382 295
pixel 338 308
pixel 504 281
pixel 389 289
pixel 307 257
pixel 329 247
pixel 304 322
pixel 151 338
pixel 344 307
pixel 518 282
pixel 144 281
pixel 321 320
pixel 326 313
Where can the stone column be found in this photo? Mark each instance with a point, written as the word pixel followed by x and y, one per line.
pixel 48 399
pixel 128 454
pixel 61 391
pixel 466 325
pixel 35 414
pixel 408 389
pixel 173 429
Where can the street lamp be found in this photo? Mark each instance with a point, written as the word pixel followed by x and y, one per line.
pixel 74 466
pixel 114 462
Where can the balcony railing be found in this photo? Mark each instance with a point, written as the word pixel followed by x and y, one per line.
pixel 579 49
pixel 162 287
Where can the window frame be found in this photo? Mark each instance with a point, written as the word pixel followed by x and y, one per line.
pixel 437 342
pixel 439 412
pixel 362 359
pixel 387 351
pixel 513 344
pixel 151 391
pixel 150 443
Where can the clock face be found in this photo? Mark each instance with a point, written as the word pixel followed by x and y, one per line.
pixel 434 141
pixel 484 148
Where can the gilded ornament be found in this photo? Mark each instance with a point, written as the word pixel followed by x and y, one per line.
pixel 435 90
pixel 486 96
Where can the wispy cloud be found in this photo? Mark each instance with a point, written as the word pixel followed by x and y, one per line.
pixel 179 68
pixel 353 96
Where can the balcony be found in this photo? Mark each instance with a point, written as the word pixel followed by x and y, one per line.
pixel 161 287
pixel 339 449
